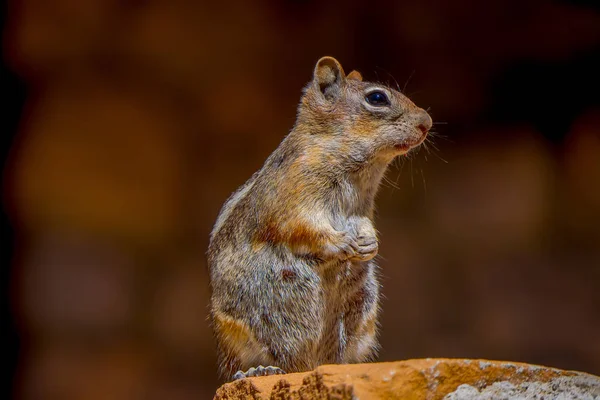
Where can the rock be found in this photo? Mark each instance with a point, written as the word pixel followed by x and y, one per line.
pixel 448 379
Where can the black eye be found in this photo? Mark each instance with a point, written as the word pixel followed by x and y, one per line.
pixel 377 99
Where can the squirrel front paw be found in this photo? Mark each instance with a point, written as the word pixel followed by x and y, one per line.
pixel 367 248
pixel 349 246
pixel 366 238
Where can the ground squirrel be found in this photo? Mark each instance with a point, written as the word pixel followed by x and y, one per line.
pixel 290 256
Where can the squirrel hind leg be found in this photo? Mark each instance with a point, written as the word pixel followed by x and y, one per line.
pixel 238 346
pixel 258 371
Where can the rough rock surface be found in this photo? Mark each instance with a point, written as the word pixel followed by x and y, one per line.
pixel 448 379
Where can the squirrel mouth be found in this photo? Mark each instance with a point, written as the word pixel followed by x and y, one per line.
pixel 406 146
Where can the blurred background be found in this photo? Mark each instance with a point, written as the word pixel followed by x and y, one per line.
pixel 127 124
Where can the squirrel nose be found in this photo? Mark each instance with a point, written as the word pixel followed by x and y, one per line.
pixel 424 122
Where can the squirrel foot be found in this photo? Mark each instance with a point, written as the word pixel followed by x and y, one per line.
pixel 258 371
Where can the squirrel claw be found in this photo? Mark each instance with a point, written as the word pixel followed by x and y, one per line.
pixel 258 371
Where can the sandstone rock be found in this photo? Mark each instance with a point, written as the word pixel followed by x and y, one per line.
pixel 448 379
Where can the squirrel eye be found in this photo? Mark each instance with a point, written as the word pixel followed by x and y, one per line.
pixel 377 99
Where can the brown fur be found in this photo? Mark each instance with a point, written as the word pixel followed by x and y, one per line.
pixel 293 279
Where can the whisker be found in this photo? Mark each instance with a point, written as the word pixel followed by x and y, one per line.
pixel 441 136
pixel 432 144
pixel 399 164
pixel 393 184
pixel 434 147
pixel 376 74
pixel 426 149
pixel 412 178
pixel 401 161
pixel 434 134
pixel 388 80
pixel 395 81
pixel 406 83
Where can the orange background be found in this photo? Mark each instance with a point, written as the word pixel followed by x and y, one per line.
pixel 132 122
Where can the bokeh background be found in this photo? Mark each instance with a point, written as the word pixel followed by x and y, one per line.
pixel 126 125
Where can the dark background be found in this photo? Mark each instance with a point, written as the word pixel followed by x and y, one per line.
pixel 127 124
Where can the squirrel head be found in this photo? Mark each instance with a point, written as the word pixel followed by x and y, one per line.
pixel 368 120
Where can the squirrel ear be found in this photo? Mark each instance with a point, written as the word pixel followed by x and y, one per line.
pixel 328 77
pixel 354 75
